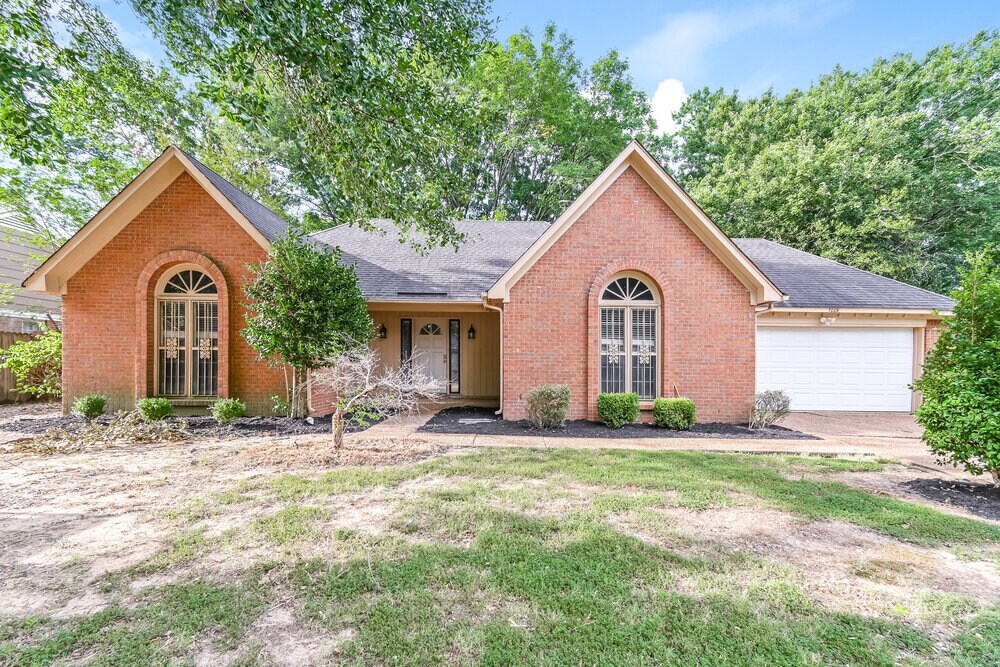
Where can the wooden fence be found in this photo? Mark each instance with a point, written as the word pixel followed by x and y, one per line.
pixel 7 393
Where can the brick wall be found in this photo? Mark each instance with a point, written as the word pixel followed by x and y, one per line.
pixel 931 334
pixel 551 323
pixel 108 307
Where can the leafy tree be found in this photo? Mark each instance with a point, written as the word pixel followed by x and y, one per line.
pixel 960 412
pixel 81 116
pixel 36 364
pixel 545 127
pixel 306 308
pixel 354 96
pixel 894 169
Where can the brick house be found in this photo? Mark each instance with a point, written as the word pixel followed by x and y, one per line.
pixel 633 288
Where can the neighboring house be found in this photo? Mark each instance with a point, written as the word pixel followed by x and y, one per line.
pixel 22 311
pixel 632 288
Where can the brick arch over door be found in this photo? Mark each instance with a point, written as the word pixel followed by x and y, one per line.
pixel 145 312
pixel 655 279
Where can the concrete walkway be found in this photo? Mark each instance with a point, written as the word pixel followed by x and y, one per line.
pixel 852 434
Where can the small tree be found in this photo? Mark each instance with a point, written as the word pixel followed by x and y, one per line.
pixel 961 381
pixel 36 364
pixel 367 391
pixel 307 308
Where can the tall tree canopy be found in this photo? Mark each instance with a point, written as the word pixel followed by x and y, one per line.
pixel 353 96
pixel 82 115
pixel 545 126
pixel 895 169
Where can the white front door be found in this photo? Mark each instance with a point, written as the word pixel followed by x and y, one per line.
pixel 838 368
pixel 430 349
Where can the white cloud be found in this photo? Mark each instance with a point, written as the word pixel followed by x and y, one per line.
pixel 679 48
pixel 667 99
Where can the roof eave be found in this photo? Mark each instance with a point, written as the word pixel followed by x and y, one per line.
pixel 53 274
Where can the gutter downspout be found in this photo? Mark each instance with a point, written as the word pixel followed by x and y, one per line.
pixel 487 306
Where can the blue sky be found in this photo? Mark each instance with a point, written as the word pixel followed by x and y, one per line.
pixel 677 47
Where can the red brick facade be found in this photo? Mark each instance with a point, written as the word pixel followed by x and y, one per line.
pixel 931 334
pixel 108 306
pixel 551 321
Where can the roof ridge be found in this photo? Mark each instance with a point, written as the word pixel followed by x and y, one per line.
pixel 846 266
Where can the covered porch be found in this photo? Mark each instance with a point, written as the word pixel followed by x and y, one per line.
pixel 457 344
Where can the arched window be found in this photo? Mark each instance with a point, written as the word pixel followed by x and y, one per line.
pixel 630 337
pixel 187 334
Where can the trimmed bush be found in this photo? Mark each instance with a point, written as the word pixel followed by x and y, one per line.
pixel 154 409
pixel 226 410
pixel 769 407
pixel 90 406
pixel 547 405
pixel 677 414
pixel 616 410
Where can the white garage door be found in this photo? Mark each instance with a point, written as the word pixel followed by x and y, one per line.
pixel 825 368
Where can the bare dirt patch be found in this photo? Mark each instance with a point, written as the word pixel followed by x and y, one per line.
pixel 68 520
pixel 844 567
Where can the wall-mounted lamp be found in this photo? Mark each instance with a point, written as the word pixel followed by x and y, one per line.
pixel 830 317
pixel 472 332
pixel 381 333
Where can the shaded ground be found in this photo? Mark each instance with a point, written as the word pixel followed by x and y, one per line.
pixel 983 500
pixel 483 421
pixel 285 551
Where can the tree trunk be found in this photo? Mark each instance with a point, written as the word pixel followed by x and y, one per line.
pixel 298 395
pixel 996 477
pixel 338 428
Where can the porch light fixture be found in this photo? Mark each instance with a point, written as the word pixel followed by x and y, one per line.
pixel 381 333
pixel 830 317
pixel 472 332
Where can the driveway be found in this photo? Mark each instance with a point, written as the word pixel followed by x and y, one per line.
pixel 896 425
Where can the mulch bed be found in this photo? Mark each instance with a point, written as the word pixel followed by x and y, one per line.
pixel 198 426
pixel 455 420
pixel 983 500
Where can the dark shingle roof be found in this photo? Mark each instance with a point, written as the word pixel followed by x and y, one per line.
pixel 390 270
pixel 812 281
pixel 266 221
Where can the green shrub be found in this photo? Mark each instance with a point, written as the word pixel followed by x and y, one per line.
pixel 960 384
pixel 616 410
pixel 227 409
pixel 154 409
pixel 90 406
pixel 36 364
pixel 547 405
pixel 677 414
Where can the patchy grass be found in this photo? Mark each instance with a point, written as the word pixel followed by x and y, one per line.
pixel 555 557
pixel 160 628
pixel 700 480
pixel 290 524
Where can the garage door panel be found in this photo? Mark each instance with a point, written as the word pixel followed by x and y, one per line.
pixel 824 368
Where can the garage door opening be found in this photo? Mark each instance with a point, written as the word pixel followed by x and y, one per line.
pixel 849 369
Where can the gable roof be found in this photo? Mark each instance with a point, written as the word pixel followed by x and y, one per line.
pixel 635 155
pixel 811 281
pixel 389 269
pixel 267 222
pixel 260 223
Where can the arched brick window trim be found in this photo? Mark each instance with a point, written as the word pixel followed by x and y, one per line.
pixel 668 317
pixel 144 295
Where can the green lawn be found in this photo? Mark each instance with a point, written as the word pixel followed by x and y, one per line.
pixel 505 557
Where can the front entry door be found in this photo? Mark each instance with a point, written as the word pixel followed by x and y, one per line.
pixel 430 353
